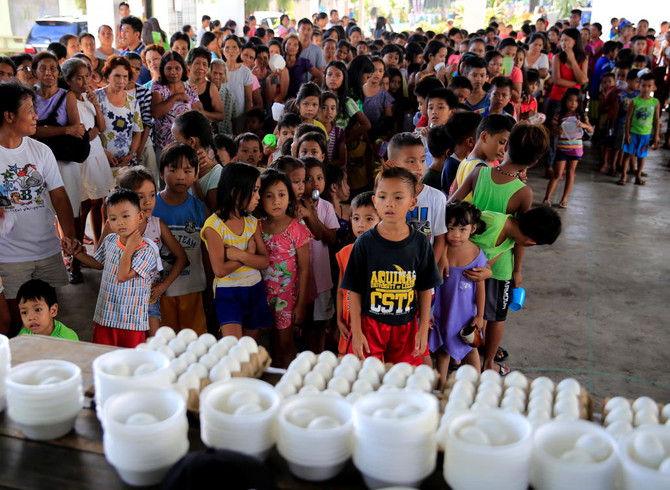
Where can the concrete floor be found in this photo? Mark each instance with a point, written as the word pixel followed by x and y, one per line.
pixel 597 300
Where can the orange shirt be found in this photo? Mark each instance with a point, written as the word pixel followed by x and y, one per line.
pixel 342 258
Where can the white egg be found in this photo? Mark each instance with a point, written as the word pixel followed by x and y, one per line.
pixel 52 372
pixel 117 369
pixel 285 389
pixel 482 405
pixel 565 395
pixel 328 357
pixel 309 355
pixel 240 353
pixel 542 395
pixel 50 380
pixel 496 432
pixel 618 429
pixel 645 403
pixel 353 396
pixel 141 418
pixel 145 368
pixel 301 417
pixel 167 352
pixel 395 378
pixel 664 468
pixel 403 367
pixel 197 348
pixel 594 444
pixel 517 379
pixel 542 382
pixel 376 364
pixel 539 403
pixel 241 397
pixel 513 402
pixel 490 386
pixel 187 335
pixel 189 380
pixel 229 341
pixel 207 339
pixel 568 406
pixel 247 409
pixel 178 366
pixel 418 382
pixel 143 346
pixel 426 371
pixel 539 414
pixel 332 393
pixel 188 357
pixel 645 416
pixel 647 450
pixel 351 360
pixel 208 360
pixel 346 372
pixel 456 406
pixel 308 389
pixel 405 410
pixel 292 377
pixel 461 396
pixel 166 332
pixel 515 392
pixel 218 350
pixel 249 345
pixel 383 388
pixel 180 390
pixel 383 413
pixel 512 409
pixel 577 456
pixel 474 435
pixel 488 375
pixel 487 398
pixel 232 364
pixel 324 422
pixel 339 384
pixel 177 346
pixel 468 373
pixel 620 414
pixel 156 343
pixel 324 369
pixel 362 386
pixel 316 380
pixel 370 375
pixel 463 386
pixel 219 373
pixel 616 402
pixel 665 413
pixel 199 370
pixel 300 365
pixel 571 385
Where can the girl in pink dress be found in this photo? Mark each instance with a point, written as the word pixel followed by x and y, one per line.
pixel 286 280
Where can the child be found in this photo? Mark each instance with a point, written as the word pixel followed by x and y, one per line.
pixel 296 173
pixel 237 254
pixel 312 144
pixel 440 146
pixel 500 96
pixel 607 82
pixel 612 155
pixel 141 182
pixel 440 104
pixel 336 192
pixel 337 150
pixel 253 122
pixel 226 149
pixel 569 149
pixel 128 263
pixel 474 69
pixel 494 65
pixel 286 127
pixel 287 278
pixel 641 122
pixel 336 80
pixel 249 149
pixel 38 307
pixel 462 129
pixel 531 84
pixel 462 87
pixel 307 103
pixel 363 217
pixel 184 215
pixel 492 135
pixel 603 65
pixel 538 226
pixel 389 268
pixel 459 302
pixel 620 108
pixel 421 91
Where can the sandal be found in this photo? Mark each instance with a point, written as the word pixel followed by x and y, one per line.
pixel 501 355
pixel 640 182
pixel 504 370
pixel 546 202
pixel 563 204
pixel 622 181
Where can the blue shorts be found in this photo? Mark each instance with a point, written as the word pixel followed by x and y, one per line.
pixel 639 143
pixel 562 157
pixel 155 309
pixel 243 305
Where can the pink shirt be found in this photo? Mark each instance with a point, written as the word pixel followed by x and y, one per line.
pixel 319 257
pixel 516 76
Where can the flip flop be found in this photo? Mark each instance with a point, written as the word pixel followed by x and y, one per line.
pixel 504 370
pixel 501 355
pixel 621 182
pixel 640 182
pixel 563 204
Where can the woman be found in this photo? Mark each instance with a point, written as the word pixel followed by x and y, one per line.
pixel 151 58
pixel 240 80
pixel 87 43
pixel 171 96
pixel 434 55
pixel 283 30
pixel 106 38
pixel 123 120
pixel 32 250
pixel 270 81
pixel 217 75
pixel 209 41
pixel 248 56
pixel 198 64
pixel 535 58
pixel 380 27
pixel 180 43
pixel 298 67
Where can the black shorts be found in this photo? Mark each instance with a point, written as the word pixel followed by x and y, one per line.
pixel 498 296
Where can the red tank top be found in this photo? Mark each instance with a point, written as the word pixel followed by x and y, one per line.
pixel 567 73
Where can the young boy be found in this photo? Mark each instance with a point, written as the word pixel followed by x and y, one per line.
pixel 38 307
pixel 421 92
pixel 226 149
pixel 474 69
pixel 500 96
pixel 286 128
pixel 492 135
pixel 538 226
pixel 253 122
pixel 610 107
pixel 440 146
pixel 462 87
pixel 462 129
pixel 440 104
pixel 249 149
pixel 363 217
pixel 128 264
pixel 389 268
pixel 642 120
pixel 184 214
pixel 602 66
pixel 620 108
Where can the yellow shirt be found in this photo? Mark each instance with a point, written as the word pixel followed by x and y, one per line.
pixel 464 169
pixel 322 128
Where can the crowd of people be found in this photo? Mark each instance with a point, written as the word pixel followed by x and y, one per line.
pixel 265 183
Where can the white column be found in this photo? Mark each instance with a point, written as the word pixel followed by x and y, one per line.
pixel 100 13
pixel 474 15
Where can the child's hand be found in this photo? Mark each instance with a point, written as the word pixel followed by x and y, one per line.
pixel 627 137
pixel 477 274
pixel 344 330
pixel 134 240
pixel 516 280
pixel 443 266
pixel 359 346
pixel 251 247
pixel 478 322
pixel 298 314
pixel 157 290
pixel 523 176
pixel 656 142
pixel 234 253
pixel 68 245
pixel 420 344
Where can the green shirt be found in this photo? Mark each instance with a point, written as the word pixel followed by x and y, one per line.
pixel 642 121
pixel 433 178
pixel 495 223
pixel 60 331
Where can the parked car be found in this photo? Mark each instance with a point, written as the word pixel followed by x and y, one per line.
pixel 50 29
pixel 266 18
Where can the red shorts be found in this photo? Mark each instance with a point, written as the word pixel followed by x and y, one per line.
pixel 117 337
pixel 391 343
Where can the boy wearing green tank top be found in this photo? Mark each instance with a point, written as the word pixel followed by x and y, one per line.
pixel 502 189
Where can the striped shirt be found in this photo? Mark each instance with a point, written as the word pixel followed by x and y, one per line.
pixel 245 275
pixel 143 96
pixel 123 305
pixel 569 145
pixel 351 108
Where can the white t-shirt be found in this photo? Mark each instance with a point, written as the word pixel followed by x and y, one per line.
pixel 541 62
pixel 237 80
pixel 27 175
pixel 319 257
pixel 428 215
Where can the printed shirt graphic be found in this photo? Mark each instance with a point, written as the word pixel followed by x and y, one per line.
pixel 387 274
pixel 427 216
pixel 121 123
pixel 625 99
pixel 642 121
pixel 27 174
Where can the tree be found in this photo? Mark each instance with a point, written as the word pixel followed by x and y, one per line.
pixel 250 6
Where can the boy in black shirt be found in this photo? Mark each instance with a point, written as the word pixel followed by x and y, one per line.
pixel 388 266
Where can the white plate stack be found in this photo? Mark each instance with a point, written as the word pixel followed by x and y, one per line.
pixel 5 364
pixel 395 437
pixel 145 433
pixel 44 397
pixel 315 435
pixel 645 458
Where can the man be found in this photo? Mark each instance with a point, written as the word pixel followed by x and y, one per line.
pixel 188 30
pixel 124 11
pixel 206 19
pixel 541 24
pixel 310 51
pixel 321 21
pixel 576 19
pixel 334 19
pixel 131 31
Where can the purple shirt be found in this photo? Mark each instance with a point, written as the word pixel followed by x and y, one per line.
pixel 298 75
pixel 43 107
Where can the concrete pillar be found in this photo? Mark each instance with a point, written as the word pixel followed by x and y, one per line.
pixel 474 15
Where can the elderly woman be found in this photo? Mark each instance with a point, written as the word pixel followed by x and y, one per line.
pixel 218 76
pixel 106 38
pixel 151 58
pixel 198 62
pixel 170 96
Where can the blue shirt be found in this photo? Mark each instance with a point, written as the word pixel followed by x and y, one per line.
pixel 485 102
pixel 449 173
pixel 603 65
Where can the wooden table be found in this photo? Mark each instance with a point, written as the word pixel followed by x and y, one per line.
pixel 77 460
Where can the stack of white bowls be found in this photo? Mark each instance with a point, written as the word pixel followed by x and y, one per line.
pixel 569 454
pixel 645 458
pixel 239 414
pixel 44 397
pixel 5 364
pixel 315 435
pixel 129 369
pixel 145 433
pixel 487 449
pixel 395 437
